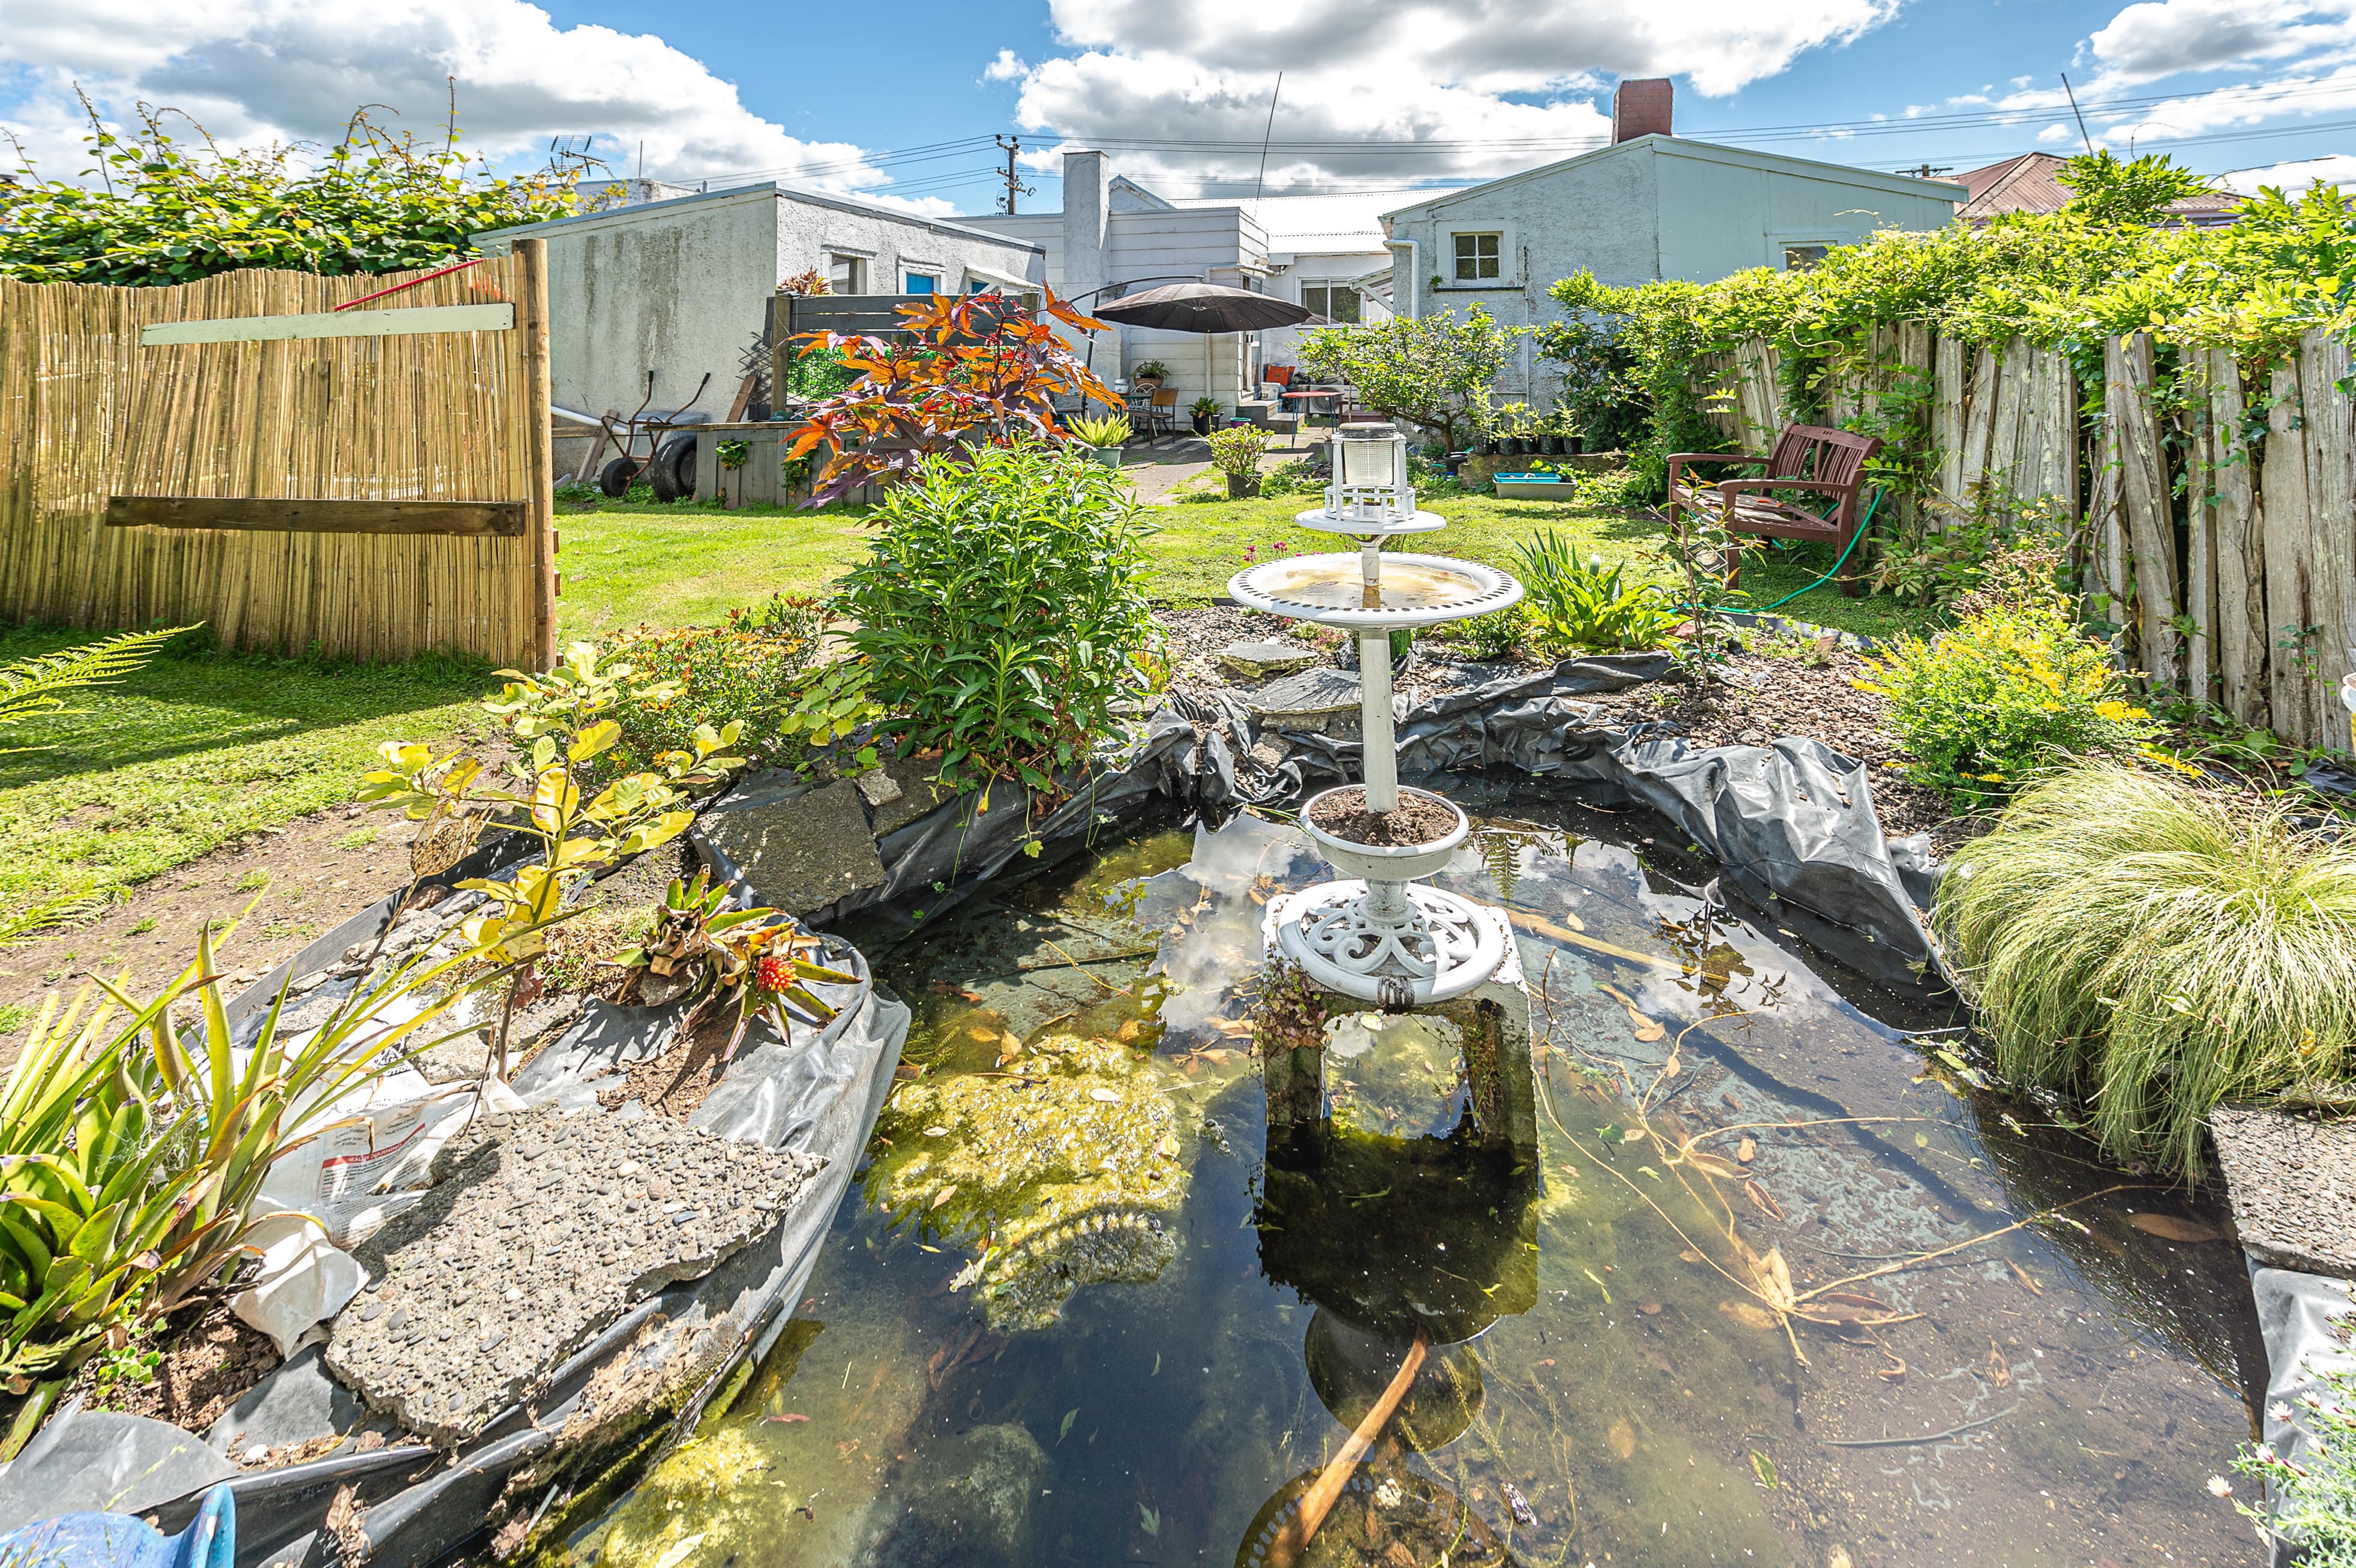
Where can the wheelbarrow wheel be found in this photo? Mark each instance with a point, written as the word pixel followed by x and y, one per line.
pixel 614 478
pixel 673 472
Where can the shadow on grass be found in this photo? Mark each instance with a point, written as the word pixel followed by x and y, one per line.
pixel 192 699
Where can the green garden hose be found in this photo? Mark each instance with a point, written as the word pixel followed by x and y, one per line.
pixel 1862 524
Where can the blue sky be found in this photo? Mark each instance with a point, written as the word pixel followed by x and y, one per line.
pixel 1374 99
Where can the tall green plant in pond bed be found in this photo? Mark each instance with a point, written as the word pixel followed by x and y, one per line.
pixel 1000 616
pixel 2152 949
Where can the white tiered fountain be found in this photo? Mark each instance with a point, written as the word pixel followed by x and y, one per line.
pixel 1380 935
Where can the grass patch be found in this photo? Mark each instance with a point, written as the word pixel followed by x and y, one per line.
pixel 358 838
pixel 14 1016
pixel 2151 950
pixel 195 750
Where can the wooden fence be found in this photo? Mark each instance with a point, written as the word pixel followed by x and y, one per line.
pixel 372 482
pixel 2217 501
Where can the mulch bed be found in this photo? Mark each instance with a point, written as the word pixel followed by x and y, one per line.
pixel 207 1367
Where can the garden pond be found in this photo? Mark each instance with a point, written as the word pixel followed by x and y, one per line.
pixel 1779 1282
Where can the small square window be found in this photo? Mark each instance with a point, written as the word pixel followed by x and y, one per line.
pixel 847 274
pixel 1478 256
pixel 924 283
pixel 1800 258
pixel 1335 302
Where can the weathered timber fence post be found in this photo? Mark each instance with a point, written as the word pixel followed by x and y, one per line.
pixel 538 477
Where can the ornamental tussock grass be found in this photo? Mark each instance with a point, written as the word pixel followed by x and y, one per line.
pixel 2152 949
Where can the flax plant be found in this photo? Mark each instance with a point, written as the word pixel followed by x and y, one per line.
pixel 2152 949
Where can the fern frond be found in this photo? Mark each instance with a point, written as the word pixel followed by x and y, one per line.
pixel 36 920
pixel 31 687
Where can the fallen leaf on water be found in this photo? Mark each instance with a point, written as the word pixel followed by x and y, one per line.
pixel 1219 1054
pixel 2168 1227
pixel 1746 1314
pixel 1647 1030
pixel 936 1132
pixel 1070 1417
pixel 1649 1308
pixel 2022 1275
pixel 1746 1150
pixel 1633 1135
pixel 1621 1437
pixel 1762 1201
pixel 982 1032
pixel 943 1195
pixel 1168 1147
pixel 1105 1095
pixel 1716 1165
pixel 1773 1279
pixel 1150 1520
pixel 1130 1031
pixel 1690 1256
pixel 1674 1066
pixel 1234 1028
pixel 1548 1362
pixel 1893 1374
pixel 1999 1370
pixel 782 1420
pixel 1765 1469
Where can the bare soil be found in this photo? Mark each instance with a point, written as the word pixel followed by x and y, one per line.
pixel 675 1083
pixel 1420 818
pixel 210 1360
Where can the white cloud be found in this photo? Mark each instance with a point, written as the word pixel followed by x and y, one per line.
pixel 258 70
pixel 1427 71
pixel 2337 169
pixel 1008 66
pixel 2161 37
pixel 2057 132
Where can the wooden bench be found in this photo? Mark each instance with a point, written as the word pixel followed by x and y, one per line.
pixel 1810 460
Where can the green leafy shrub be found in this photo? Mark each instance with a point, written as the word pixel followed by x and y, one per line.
pixel 1237 450
pixel 1576 603
pixel 173 210
pixel 1500 634
pixel 2319 1511
pixel 796 619
pixel 1001 612
pixel 1978 708
pixel 1101 430
pixel 702 677
pixel 2152 949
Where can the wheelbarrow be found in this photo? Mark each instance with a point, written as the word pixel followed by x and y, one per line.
pixel 657 446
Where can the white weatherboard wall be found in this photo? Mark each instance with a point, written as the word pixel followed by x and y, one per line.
pixel 682 287
pixel 1648 209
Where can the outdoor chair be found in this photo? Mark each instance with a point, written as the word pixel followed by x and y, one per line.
pixel 1808 459
pixel 1163 419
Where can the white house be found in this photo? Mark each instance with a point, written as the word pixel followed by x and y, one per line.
pixel 681 286
pixel 1651 206
pixel 1114 236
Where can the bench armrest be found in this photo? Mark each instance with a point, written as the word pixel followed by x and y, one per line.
pixel 1684 457
pixel 1729 487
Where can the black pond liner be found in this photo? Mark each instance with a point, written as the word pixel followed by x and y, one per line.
pixel 1793 825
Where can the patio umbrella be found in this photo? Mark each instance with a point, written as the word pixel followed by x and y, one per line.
pixel 1206 308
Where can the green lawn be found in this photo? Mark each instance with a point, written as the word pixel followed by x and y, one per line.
pixel 190 753
pixel 193 751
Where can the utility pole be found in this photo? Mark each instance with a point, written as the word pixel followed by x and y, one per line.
pixel 1925 171
pixel 1010 146
pixel 2074 114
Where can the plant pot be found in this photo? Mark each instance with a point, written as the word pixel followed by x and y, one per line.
pixel 1572 445
pixel 1242 486
pixel 1386 862
pixel 1550 445
pixel 1202 425
pixel 1484 446
pixel 1151 383
pixel 1107 456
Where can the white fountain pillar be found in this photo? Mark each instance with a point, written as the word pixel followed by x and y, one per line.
pixel 1375 691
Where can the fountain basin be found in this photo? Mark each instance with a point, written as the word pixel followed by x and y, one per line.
pixel 1411 590
pixel 1386 862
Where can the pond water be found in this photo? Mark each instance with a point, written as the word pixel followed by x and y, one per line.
pixel 1749 1298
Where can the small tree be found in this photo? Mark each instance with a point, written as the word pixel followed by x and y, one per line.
pixel 2111 192
pixel 173 210
pixel 1433 370
pixel 975 368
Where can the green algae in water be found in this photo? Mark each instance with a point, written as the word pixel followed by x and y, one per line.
pixel 1064 1170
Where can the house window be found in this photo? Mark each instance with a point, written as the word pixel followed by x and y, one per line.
pixel 1800 258
pixel 924 283
pixel 1478 256
pixel 1335 302
pixel 847 274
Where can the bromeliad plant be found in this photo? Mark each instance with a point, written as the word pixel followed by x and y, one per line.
pixel 135 1142
pixel 1101 430
pixel 756 957
pixel 971 371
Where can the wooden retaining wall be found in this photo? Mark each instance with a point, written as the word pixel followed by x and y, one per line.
pixel 236 472
pixel 2217 498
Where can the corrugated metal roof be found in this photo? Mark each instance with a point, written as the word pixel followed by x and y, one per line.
pixel 2028 183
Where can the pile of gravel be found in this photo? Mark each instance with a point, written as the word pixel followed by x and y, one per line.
pixel 539 1230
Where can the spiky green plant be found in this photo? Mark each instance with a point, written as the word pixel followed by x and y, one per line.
pixel 2153 950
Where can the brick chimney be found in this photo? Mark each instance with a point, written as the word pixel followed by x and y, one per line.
pixel 1640 108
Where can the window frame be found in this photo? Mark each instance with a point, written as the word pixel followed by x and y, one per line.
pixel 838 262
pixel 932 280
pixel 1498 277
pixel 1327 288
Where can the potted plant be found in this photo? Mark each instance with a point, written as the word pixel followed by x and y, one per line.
pixel 1151 374
pixel 733 456
pixel 1205 410
pixel 1103 437
pixel 1236 453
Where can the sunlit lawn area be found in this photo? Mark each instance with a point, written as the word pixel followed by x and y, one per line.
pixel 193 751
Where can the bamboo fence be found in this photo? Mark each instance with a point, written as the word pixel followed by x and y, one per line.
pixel 2216 499
pixel 87 414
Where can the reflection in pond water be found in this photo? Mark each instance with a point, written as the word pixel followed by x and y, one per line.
pixel 1772 1281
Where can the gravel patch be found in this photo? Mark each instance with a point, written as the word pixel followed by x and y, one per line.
pixel 541 1230
pixel 2292 1180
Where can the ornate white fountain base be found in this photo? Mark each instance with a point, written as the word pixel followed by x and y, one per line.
pixel 1397 944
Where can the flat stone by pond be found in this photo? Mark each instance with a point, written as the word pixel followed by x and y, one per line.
pixel 2293 1184
pixel 1259 661
pixel 803 848
pixel 541 1229
pixel 1321 701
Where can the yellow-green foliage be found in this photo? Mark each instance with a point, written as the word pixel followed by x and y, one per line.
pixel 2152 949
pixel 1978 708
